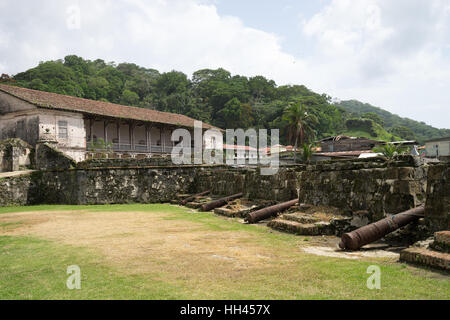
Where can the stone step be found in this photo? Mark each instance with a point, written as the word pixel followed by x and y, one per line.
pixel 426 257
pixel 182 196
pixel 194 205
pixel 232 213
pixel 300 218
pixel 441 241
pixel 198 202
pixel 305 229
pixel 242 207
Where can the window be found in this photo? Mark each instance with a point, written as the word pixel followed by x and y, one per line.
pixel 21 129
pixel 63 133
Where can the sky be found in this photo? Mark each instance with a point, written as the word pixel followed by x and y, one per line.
pixel 394 54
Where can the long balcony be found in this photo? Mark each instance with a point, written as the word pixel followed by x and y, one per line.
pixel 120 136
pixel 141 148
pixel 128 147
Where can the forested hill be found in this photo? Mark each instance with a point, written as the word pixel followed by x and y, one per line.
pixel 403 127
pixel 214 96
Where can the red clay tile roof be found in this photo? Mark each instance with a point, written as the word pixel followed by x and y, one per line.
pixel 61 102
pixel 237 147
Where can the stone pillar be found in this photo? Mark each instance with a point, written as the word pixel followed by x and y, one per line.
pixel 91 124
pixel 131 127
pixel 437 207
pixel 105 130
pixel 163 138
pixel 147 137
pixel 15 158
pixel 6 161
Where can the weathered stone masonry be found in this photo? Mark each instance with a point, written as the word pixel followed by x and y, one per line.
pixel 437 208
pixel 226 181
pixel 121 185
pixel 373 188
pixel 17 191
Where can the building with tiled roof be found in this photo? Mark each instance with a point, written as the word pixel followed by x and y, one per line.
pixel 78 125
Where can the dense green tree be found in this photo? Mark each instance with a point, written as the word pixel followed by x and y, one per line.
pixel 300 124
pixel 172 83
pixel 231 114
pixel 129 98
pixel 214 96
pixel 261 89
pixel 374 117
pixel 421 131
pixel 403 132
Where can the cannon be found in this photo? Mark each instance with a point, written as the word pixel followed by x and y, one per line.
pixel 375 231
pixel 220 202
pixel 191 198
pixel 269 211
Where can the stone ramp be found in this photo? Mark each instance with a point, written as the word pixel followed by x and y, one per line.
pixel 306 229
pixel 435 254
pixel 426 257
pixel 15 173
pixel 240 208
pixel 196 203
pixel 308 224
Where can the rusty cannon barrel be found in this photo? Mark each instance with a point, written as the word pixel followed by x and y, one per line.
pixel 191 198
pixel 375 231
pixel 268 212
pixel 220 202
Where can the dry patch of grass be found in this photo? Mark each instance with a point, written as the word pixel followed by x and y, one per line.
pixel 143 243
pixel 138 236
pixel 207 257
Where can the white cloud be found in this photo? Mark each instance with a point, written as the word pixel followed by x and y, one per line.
pixel 390 53
pixel 183 35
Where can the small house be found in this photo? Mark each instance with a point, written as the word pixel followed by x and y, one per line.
pixel 437 148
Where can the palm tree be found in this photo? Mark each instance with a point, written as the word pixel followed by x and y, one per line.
pixel 307 151
pixel 300 124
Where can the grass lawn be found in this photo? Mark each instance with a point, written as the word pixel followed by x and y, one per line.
pixel 169 252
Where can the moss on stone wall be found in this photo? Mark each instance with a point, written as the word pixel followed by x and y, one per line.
pixel 49 157
pixel 437 208
pixel 376 187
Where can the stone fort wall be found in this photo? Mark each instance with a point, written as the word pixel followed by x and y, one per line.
pixel 374 188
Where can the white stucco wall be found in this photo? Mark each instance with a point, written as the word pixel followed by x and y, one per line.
pixel 442 146
pixel 75 143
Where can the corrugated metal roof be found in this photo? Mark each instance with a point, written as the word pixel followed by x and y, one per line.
pixel 438 139
pixel 342 153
